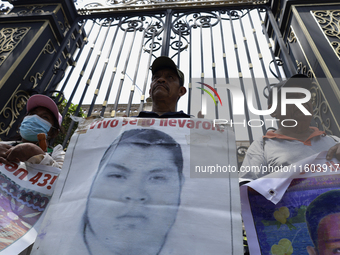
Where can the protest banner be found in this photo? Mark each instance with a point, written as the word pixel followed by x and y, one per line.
pixel 25 192
pixel 274 207
pixel 146 186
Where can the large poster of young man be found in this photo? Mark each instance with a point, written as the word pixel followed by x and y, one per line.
pixel 146 186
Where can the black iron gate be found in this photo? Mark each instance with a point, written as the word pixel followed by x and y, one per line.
pixel 108 51
pixel 209 46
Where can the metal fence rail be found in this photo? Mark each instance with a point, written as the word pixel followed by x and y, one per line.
pixel 212 47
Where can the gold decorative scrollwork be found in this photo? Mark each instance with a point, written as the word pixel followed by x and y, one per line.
pixel 336 47
pixel 329 21
pixel 61 25
pixel 320 108
pixel 49 48
pixel 12 110
pixel 32 10
pixel 67 25
pixel 9 39
pixel 301 68
pixel 57 63
pixel 320 105
pixel 35 78
pixel 291 36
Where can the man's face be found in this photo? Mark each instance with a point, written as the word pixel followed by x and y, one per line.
pixel 134 199
pixel 293 112
pixel 165 85
pixel 329 235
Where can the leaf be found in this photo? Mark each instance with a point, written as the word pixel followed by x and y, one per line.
pixel 290 226
pixel 278 224
pixel 26 224
pixel 31 215
pixel 13 204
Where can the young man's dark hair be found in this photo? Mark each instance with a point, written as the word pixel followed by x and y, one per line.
pixel 145 138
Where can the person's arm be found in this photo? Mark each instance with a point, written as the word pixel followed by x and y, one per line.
pixel 23 152
pixel 253 162
pixel 3 152
pixel 34 154
pixel 334 151
pixel 56 159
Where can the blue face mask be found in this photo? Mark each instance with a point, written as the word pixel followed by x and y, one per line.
pixel 33 125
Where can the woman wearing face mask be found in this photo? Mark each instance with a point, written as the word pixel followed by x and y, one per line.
pixel 43 117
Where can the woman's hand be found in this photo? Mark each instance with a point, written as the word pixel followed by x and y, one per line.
pixel 3 152
pixel 334 152
pixel 23 152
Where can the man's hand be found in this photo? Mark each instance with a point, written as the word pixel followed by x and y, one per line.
pixel 22 152
pixel 334 152
pixel 3 152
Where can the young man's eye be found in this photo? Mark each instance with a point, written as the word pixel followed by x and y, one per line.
pixel 117 176
pixel 158 178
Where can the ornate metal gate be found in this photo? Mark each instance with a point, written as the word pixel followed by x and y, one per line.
pixel 208 45
pixel 108 48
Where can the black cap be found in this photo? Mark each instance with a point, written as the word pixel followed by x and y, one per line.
pixel 297 80
pixel 166 62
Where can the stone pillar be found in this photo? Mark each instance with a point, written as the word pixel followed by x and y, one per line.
pixel 311 32
pixel 37 41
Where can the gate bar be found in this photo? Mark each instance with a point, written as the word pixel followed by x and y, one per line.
pixel 226 75
pixel 81 74
pixel 135 75
pixel 147 73
pixel 103 70
pixel 240 76
pixel 167 33
pixel 114 71
pixel 288 62
pixel 264 31
pixel 73 65
pixel 86 86
pixel 213 67
pixel 124 70
pixel 190 71
pixel 259 50
pixel 252 72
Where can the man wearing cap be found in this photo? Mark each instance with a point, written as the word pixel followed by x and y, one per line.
pixel 42 117
pixel 289 143
pixel 165 90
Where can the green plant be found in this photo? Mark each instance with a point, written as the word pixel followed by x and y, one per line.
pixel 67 121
